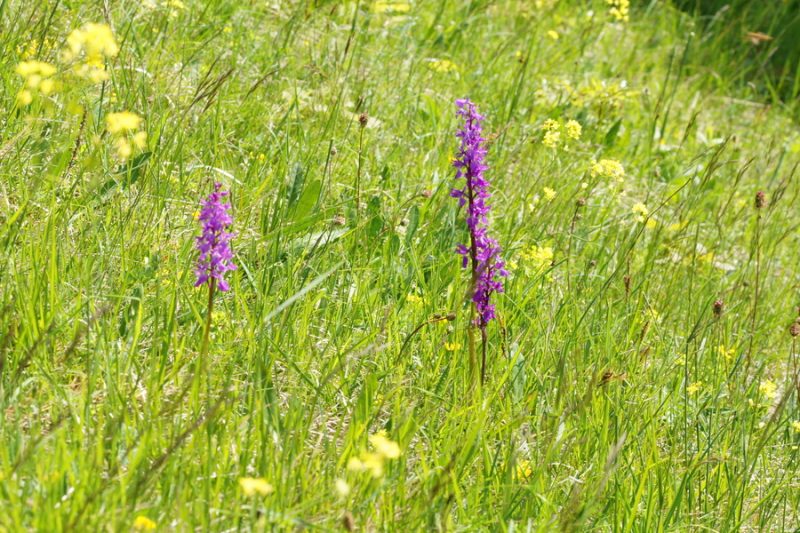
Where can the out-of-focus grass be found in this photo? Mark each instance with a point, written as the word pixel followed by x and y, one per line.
pixel 615 399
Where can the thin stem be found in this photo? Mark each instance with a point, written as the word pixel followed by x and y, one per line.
pixel 210 309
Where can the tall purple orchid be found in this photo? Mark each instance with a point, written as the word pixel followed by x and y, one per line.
pixel 483 252
pixel 214 246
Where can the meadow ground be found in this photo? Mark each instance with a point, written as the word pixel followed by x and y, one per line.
pixel 642 373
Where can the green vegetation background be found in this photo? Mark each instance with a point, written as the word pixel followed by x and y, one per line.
pixel 616 397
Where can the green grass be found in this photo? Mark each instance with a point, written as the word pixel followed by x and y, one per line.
pixel 615 399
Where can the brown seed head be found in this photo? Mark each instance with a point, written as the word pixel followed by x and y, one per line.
pixel 363 118
pixel 719 306
pixel 761 200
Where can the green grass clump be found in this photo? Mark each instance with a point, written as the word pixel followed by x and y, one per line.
pixel 642 374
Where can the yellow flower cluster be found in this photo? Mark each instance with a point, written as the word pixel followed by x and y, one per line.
pixel 255 485
pixel 535 259
pixel 619 9
pixel 441 65
pixel 608 168
pixel 600 95
pixel 694 387
pixel 123 127
pixel 91 45
pixel 553 128
pixel 373 462
pixel 38 77
pixel 391 7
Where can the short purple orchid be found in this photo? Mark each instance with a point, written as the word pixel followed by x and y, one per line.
pixel 214 246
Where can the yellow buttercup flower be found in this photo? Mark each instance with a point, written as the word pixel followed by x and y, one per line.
pixel 452 346
pixel 694 387
pixel 552 34
pixel 252 486
pixel 142 523
pixel 549 194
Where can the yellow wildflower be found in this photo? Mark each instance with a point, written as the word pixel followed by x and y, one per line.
pixel 552 34
pixel 38 77
pixel 727 353
pixel 367 462
pixel 768 389
pixel 619 9
pixel 142 523
pixel 24 97
pixel 252 486
pixel 123 147
pixel 607 168
pixel 573 129
pixel 551 138
pixel 694 387
pixel 550 125
pixel 537 258
pixel 549 194
pixel 452 346
pixel 342 488
pixel 92 43
pixel 413 298
pixel 641 211
pixel 796 426
pixel 523 470
pixel 122 122
pixel 391 7
pixel 383 446
pixel 441 65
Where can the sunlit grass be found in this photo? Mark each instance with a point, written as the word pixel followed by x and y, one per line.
pixel 642 373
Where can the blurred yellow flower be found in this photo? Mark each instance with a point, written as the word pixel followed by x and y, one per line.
pixel 768 389
pixel 641 211
pixel 796 426
pixel 694 387
pixel 523 470
pixel 552 34
pixel 607 168
pixel 551 138
pixel 252 486
pixel 38 78
pixel 549 194
pixel 573 129
pixel 391 7
pixel 342 488
pixel 619 9
pixel 536 258
pixel 550 125
pixel 452 346
pixel 385 447
pixel 727 353
pixel 122 122
pixel 441 65
pixel 91 44
pixel 142 523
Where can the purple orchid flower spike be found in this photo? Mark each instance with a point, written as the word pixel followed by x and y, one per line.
pixel 214 246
